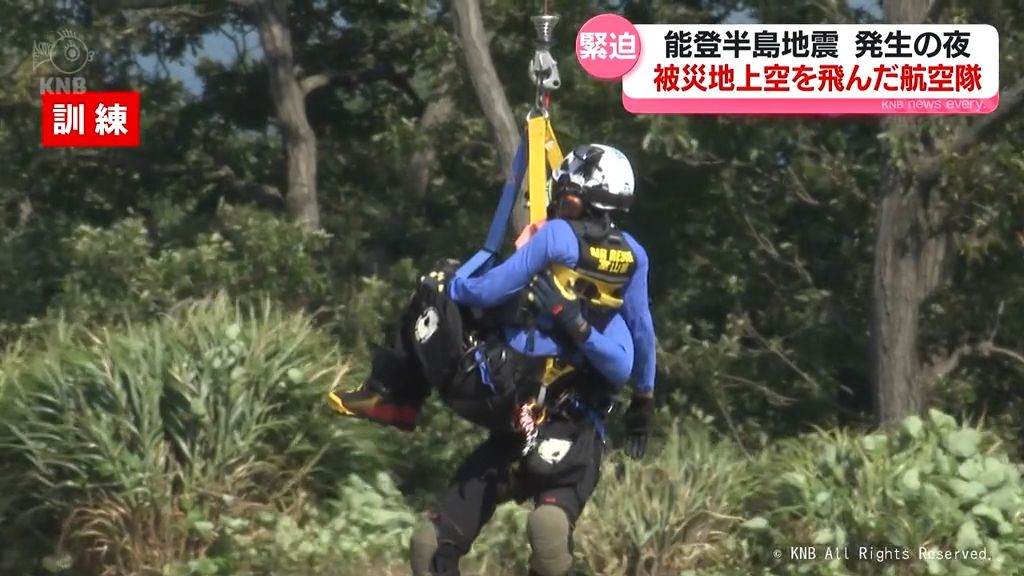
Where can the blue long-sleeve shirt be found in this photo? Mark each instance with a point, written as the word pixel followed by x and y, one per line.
pixel 626 344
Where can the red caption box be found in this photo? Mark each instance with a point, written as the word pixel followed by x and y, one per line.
pixel 90 119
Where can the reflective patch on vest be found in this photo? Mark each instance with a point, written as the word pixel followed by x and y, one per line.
pixel 612 260
pixel 426 325
pixel 552 450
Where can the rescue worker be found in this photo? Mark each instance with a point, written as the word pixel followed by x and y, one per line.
pixel 437 334
pixel 572 325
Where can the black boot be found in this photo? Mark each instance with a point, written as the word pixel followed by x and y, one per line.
pixel 392 395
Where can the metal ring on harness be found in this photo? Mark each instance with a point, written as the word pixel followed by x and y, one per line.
pixel 475 358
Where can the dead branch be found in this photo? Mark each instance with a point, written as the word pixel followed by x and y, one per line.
pixel 769 248
pixel 942 366
pixel 799 189
pixel 772 396
pixel 777 352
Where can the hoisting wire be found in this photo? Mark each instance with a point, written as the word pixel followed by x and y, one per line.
pixel 537 152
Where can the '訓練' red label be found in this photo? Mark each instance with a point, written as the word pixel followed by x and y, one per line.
pixel 90 119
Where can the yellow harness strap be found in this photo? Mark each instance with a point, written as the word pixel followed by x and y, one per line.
pixel 543 154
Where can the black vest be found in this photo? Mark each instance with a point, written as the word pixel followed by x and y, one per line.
pixel 603 269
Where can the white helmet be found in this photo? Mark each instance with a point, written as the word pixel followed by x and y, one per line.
pixel 599 175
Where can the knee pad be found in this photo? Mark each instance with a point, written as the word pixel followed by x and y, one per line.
pixel 550 534
pixel 422 547
pixel 431 554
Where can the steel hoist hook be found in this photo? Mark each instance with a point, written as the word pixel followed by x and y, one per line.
pixel 543 66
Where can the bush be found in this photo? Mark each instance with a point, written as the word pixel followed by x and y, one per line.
pixel 365 306
pixel 364 531
pixel 32 263
pixel 932 484
pixel 668 512
pixel 130 444
pixel 124 271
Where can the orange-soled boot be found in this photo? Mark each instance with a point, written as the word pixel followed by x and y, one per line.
pixel 377 404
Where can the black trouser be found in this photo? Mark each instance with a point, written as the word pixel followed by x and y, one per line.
pixel 492 475
pixel 429 350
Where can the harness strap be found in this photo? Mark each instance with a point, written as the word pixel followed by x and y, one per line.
pixel 589 412
pixel 484 258
pixel 485 371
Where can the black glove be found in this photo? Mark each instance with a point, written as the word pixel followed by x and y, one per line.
pixel 565 308
pixel 439 276
pixel 639 421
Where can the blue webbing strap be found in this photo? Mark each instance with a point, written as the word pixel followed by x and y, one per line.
pixel 587 410
pixel 483 259
pixel 485 370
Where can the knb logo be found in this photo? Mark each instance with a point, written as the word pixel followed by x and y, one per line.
pixel 66 55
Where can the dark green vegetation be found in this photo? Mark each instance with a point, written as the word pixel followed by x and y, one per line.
pixel 173 314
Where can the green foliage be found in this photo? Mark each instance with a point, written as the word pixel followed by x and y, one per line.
pixel 122 271
pixel 760 240
pixel 931 484
pixel 129 439
pixel 368 526
pixel 31 260
pixel 668 512
pixel 368 306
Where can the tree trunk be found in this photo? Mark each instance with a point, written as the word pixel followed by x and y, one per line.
pixel 290 104
pixel 421 164
pixel 469 26
pixel 898 288
pixel 896 304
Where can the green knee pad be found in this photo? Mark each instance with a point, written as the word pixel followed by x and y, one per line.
pixel 549 531
pixel 422 546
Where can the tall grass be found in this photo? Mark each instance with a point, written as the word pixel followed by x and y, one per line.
pixel 131 441
pixel 665 514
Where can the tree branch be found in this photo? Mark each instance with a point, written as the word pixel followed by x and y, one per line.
pixel 732 426
pixel 777 351
pixel 986 348
pixel 484 76
pixel 772 396
pixel 188 8
pixel 469 26
pixel 942 367
pixel 1009 101
pixel 385 72
pixel 934 10
pixel 769 248
pixel 939 368
pixel 438 112
pixel 799 189
pixel 311 83
pixel 240 49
